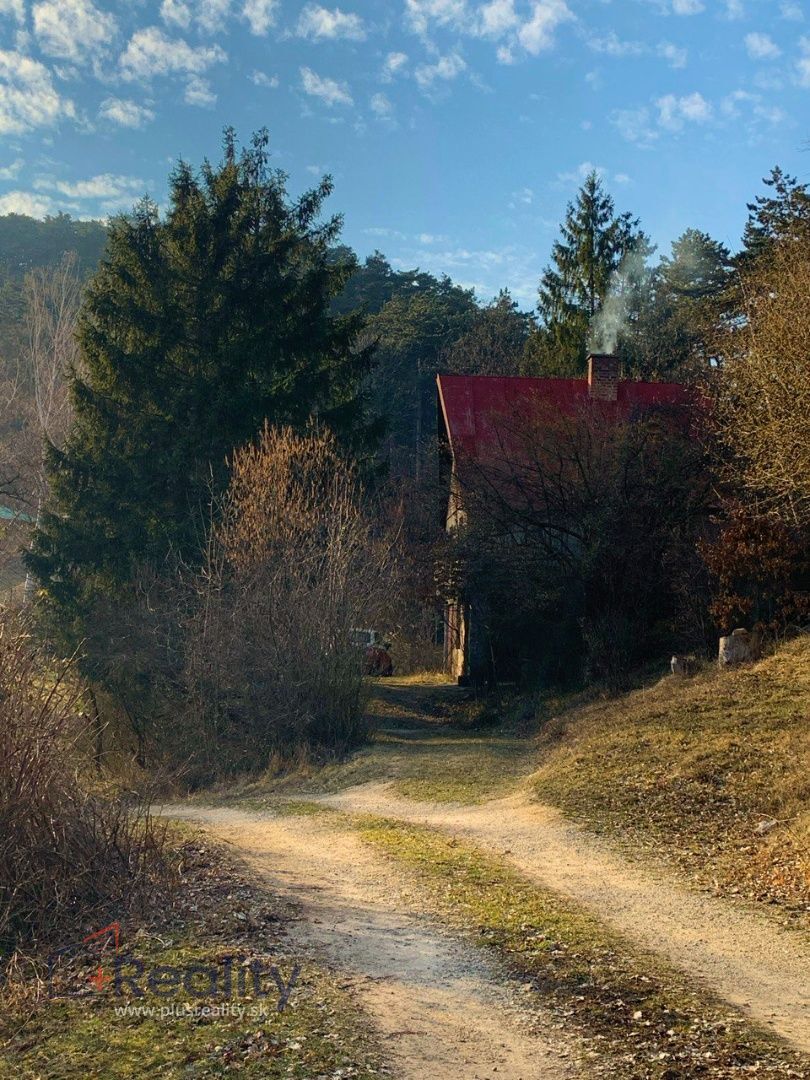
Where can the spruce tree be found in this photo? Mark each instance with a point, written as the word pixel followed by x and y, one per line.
pixel 594 241
pixel 198 327
pixel 668 339
pixel 781 214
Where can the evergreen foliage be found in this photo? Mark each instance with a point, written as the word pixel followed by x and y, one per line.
pixel 594 242
pixel 197 328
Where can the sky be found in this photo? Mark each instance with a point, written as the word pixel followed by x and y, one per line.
pixel 456 131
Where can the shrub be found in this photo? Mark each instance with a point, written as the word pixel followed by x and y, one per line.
pixel 292 566
pixel 64 851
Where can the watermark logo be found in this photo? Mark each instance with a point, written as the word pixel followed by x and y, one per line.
pixel 123 974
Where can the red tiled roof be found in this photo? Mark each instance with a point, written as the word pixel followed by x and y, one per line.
pixel 473 406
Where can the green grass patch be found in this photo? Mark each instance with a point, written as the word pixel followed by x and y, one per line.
pixel 627 1003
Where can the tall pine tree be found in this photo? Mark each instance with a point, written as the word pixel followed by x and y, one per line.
pixel 197 327
pixel 593 243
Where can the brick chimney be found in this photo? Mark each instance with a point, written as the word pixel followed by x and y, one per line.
pixel 603 376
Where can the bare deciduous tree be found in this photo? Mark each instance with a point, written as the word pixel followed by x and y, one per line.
pixel 293 565
pixel 53 297
pixel 764 400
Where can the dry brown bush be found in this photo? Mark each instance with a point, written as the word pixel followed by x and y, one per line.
pixel 764 401
pixel 65 851
pixel 293 564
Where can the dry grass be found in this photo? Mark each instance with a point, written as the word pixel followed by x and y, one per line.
pixel 216 911
pixel 698 770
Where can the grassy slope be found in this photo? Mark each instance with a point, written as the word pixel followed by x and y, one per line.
pixel 691 768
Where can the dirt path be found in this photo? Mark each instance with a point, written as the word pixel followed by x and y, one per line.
pixel 442 1010
pixel 746 959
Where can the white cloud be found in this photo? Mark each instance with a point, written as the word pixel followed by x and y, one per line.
pixel 125 113
pixel 176 13
pixel 151 53
pixel 9 172
pixel 803 63
pixel 24 202
pixel 110 192
pixel 259 78
pixel 394 64
pixel 319 23
pixel 635 125
pixel 28 98
pixel 612 45
pixel 72 29
pixel 198 92
pixel 520 199
pixel 761 47
pixel 674 111
pixel 496 18
pixel 791 11
pixel 102 186
pixel 15 8
pixel 329 91
pixel 687 7
pixel 420 15
pixel 581 172
pixel 736 102
pixel 537 35
pixel 622 178
pixel 734 9
pixel 260 15
pixel 381 105
pixel 212 15
pixel 446 68
pixel 674 55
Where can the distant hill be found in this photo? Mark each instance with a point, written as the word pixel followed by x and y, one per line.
pixel 26 242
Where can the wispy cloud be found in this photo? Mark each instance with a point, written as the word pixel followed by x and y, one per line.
pixel 125 113
pixel 260 15
pixel 803 63
pixel 25 202
pixel 444 69
pixel 675 55
pixel 107 191
pixel 150 53
pixel 761 47
pixel 72 29
pixel 14 8
pixel 612 45
pixel 532 31
pixel 319 24
pixel 674 111
pixel 199 92
pixel 381 105
pixel 260 78
pixel 394 64
pixel 12 171
pixel 329 91
pixel 28 98
pixel 575 177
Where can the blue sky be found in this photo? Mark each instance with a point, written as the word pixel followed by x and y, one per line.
pixel 455 130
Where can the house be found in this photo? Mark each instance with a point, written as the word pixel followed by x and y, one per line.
pixel 474 415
